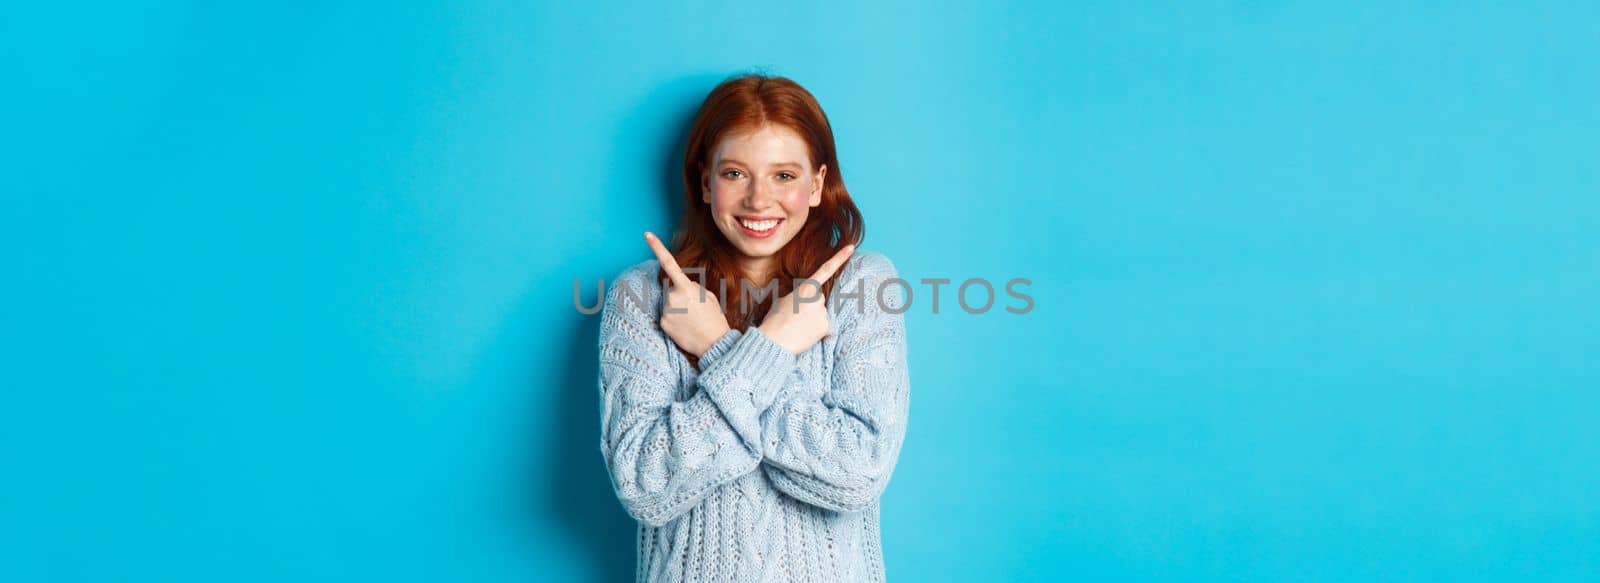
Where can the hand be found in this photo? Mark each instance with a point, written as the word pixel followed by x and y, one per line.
pixel 797 322
pixel 690 315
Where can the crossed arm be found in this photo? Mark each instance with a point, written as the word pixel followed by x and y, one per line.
pixel 831 444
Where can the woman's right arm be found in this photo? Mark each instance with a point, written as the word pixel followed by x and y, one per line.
pixel 665 455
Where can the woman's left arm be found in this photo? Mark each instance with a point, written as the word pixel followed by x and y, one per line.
pixel 836 448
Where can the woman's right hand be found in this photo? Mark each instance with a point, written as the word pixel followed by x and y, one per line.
pixel 691 316
pixel 798 325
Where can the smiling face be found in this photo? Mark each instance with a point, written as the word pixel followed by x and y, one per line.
pixel 761 187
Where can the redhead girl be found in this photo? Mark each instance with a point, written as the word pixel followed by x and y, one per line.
pixel 753 379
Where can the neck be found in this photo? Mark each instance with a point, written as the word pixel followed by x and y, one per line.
pixel 758 270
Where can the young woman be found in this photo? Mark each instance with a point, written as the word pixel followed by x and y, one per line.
pixel 752 434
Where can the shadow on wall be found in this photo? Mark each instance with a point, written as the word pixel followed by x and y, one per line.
pixel 583 502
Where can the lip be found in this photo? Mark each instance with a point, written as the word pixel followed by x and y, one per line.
pixel 739 221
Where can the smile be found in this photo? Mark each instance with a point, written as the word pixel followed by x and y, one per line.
pixel 758 227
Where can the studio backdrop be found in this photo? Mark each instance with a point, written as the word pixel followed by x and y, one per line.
pixel 289 287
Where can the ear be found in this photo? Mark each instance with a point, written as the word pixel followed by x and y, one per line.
pixel 816 188
pixel 705 185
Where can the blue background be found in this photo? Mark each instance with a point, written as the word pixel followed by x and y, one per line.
pixel 288 290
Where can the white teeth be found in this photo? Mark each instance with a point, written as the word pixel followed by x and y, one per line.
pixel 766 225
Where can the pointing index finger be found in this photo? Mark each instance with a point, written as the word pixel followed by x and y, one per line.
pixel 668 263
pixel 832 265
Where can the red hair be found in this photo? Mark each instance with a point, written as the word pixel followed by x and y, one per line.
pixel 741 104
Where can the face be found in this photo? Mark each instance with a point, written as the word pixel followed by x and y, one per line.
pixel 761 187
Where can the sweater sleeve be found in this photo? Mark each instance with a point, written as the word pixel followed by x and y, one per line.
pixel 836 449
pixel 663 454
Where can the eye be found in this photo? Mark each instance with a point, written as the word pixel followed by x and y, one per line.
pixel 785 176
pixel 731 174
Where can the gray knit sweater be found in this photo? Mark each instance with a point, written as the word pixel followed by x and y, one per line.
pixel 758 465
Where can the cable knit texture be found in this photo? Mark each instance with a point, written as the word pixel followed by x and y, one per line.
pixel 759 465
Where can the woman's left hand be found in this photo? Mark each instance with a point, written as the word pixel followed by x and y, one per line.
pixel 797 325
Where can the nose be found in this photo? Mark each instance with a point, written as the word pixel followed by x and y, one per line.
pixel 758 195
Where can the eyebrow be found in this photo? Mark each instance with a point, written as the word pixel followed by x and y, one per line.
pixel 732 161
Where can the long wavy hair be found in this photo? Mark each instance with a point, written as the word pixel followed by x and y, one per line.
pixel 741 104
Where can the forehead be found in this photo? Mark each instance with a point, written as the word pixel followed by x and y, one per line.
pixel 768 144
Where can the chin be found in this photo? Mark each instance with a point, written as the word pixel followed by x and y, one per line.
pixel 759 250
